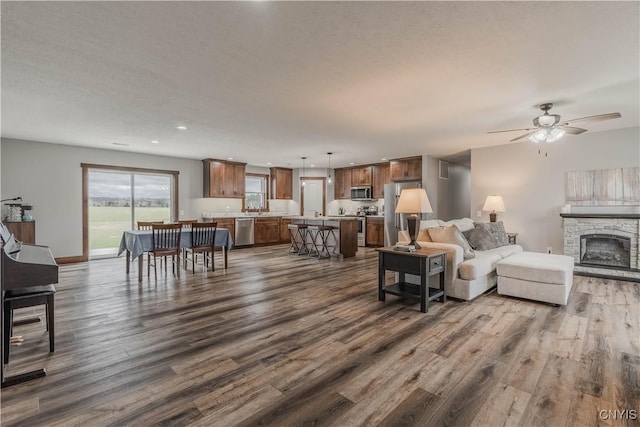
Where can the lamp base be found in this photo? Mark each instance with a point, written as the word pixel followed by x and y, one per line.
pixel 493 216
pixel 412 228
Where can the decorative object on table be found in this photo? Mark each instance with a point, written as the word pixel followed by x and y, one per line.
pixel 340 211
pixel 413 201
pixel 26 212
pixel 14 213
pixel 493 204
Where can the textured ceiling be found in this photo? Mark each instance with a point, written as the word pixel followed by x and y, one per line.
pixel 273 81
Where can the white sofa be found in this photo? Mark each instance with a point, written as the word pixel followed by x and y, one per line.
pixel 465 279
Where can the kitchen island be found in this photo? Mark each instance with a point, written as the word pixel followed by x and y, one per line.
pixel 346 230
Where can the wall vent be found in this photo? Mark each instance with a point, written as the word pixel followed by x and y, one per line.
pixel 444 169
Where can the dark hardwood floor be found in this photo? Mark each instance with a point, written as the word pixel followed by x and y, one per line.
pixel 283 340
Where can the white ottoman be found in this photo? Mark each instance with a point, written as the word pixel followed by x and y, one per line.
pixel 536 276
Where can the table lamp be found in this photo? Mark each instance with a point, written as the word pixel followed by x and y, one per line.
pixel 413 201
pixel 493 204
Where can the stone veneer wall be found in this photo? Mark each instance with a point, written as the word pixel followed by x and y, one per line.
pixel 625 227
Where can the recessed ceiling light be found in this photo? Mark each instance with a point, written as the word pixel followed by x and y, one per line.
pixel 384 159
pixel 312 166
pixel 181 127
pixel 269 163
pixel 155 142
pixel 351 163
pixel 229 158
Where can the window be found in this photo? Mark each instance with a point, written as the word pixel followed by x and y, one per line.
pixel 255 195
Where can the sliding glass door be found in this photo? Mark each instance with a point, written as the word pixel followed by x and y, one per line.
pixel 118 199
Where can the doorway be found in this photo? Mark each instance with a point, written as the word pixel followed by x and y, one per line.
pixel 312 196
pixel 115 199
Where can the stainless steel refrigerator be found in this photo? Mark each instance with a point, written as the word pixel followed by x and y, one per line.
pixel 394 222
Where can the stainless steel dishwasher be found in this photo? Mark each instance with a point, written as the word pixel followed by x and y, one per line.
pixel 244 232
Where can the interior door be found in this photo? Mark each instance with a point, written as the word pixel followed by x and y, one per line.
pixel 313 197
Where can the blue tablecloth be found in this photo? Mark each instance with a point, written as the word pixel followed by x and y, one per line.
pixel 139 241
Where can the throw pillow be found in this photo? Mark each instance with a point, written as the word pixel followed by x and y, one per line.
pixel 487 235
pixel 423 235
pixel 453 235
pixel 464 224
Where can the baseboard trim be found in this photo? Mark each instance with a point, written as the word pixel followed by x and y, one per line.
pixel 70 259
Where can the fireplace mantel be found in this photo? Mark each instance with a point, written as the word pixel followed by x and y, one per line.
pixel 601 215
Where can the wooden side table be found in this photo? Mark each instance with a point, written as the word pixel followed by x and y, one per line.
pixel 424 263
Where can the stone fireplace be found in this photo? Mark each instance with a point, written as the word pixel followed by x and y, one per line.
pixel 604 245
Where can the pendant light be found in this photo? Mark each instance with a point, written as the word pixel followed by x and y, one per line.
pixel 329 177
pixel 303 182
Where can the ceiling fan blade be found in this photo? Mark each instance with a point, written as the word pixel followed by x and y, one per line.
pixel 573 130
pixel 519 137
pixel 510 130
pixel 596 118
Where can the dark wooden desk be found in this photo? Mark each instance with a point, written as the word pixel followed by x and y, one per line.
pixel 424 263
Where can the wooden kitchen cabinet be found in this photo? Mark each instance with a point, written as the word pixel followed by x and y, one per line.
pixel 342 187
pixel 24 231
pixel 381 173
pixel 266 230
pixel 228 223
pixel 281 183
pixel 284 230
pixel 361 176
pixel 374 235
pixel 223 179
pixel 409 169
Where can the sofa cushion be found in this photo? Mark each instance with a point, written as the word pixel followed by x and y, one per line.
pixel 452 235
pixel 505 251
pixel 487 235
pixel 483 264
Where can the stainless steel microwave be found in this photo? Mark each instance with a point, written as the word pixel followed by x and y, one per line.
pixel 362 193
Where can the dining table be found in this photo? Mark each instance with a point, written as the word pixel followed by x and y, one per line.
pixel 136 242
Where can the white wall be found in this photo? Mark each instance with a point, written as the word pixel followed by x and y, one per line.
pixel 50 177
pixel 533 184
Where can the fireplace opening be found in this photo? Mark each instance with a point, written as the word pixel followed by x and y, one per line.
pixel 606 250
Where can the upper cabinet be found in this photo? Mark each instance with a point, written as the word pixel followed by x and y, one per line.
pixel 342 187
pixel 409 169
pixel 381 177
pixel 223 179
pixel 281 183
pixel 361 176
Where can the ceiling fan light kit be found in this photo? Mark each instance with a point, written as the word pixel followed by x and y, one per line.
pixel 548 128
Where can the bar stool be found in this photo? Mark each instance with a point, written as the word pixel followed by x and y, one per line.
pixel 322 233
pixel 28 297
pixel 298 234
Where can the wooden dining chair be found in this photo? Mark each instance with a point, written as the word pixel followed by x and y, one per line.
pixel 203 238
pixel 186 223
pixel 166 242
pixel 146 225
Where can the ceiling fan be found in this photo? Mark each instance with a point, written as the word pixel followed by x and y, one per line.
pixel 549 128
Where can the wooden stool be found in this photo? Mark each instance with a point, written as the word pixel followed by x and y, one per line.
pixel 322 233
pixel 298 234
pixel 28 297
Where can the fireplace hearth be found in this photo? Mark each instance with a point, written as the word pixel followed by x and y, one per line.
pixel 606 250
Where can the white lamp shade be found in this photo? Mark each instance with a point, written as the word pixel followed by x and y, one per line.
pixel 413 200
pixel 494 204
